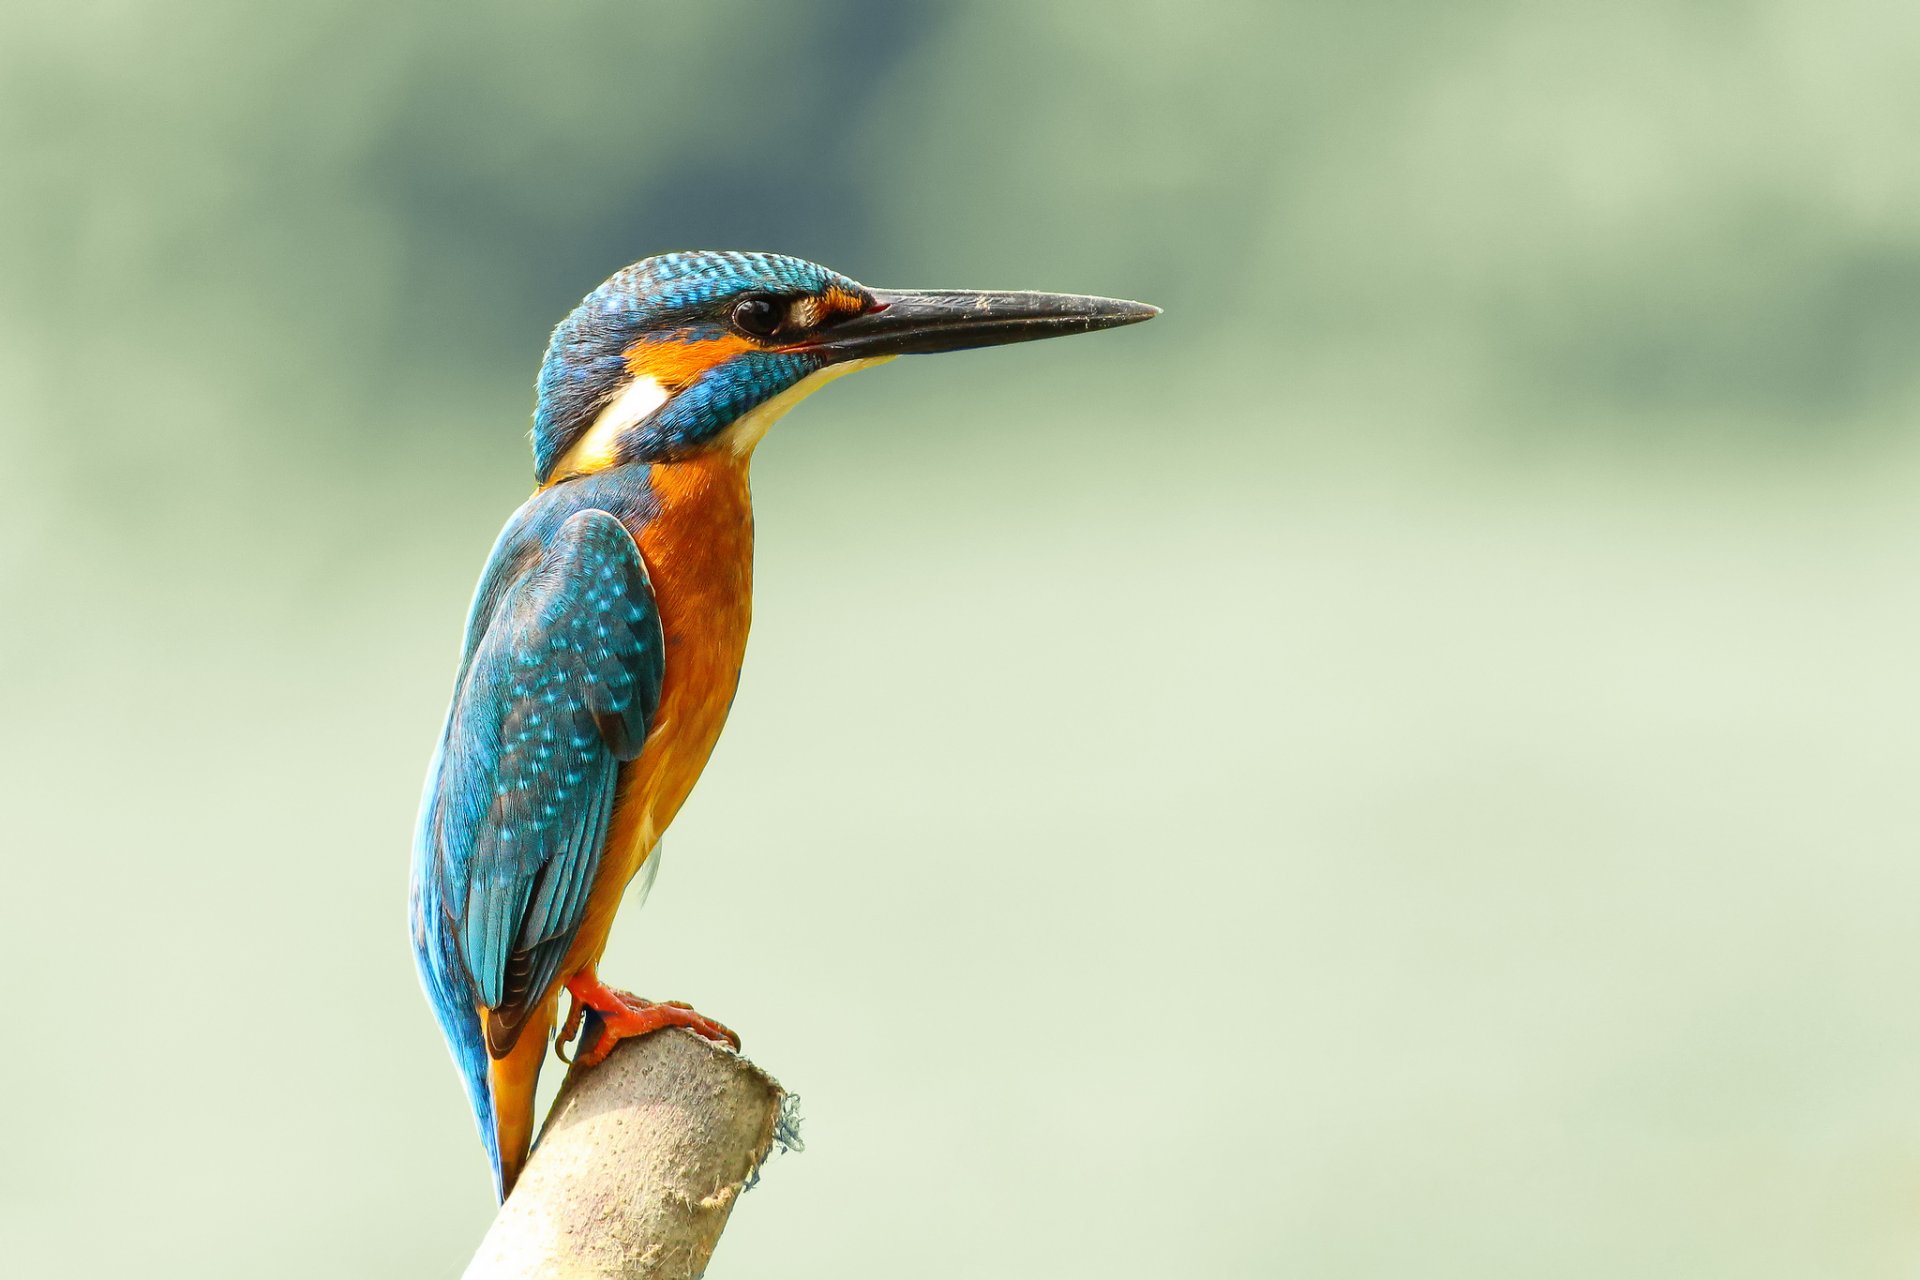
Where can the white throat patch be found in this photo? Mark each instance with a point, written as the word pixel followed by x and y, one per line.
pixel 747 430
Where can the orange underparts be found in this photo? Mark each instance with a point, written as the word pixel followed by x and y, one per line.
pixel 622 1016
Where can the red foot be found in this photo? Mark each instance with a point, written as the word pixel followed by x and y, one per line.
pixel 624 1015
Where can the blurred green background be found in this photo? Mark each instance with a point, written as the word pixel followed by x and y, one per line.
pixel 1403 766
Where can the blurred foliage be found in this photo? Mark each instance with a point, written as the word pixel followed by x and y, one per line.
pixel 1447 685
pixel 1604 219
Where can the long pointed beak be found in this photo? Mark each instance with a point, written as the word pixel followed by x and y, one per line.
pixel 923 321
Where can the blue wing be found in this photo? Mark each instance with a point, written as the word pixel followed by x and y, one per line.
pixel 561 681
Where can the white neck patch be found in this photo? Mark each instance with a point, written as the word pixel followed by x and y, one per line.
pixel 601 444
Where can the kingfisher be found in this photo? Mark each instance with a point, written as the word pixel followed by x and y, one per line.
pixel 605 638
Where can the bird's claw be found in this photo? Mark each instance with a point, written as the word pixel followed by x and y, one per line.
pixel 623 1015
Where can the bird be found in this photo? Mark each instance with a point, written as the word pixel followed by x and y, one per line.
pixel 605 638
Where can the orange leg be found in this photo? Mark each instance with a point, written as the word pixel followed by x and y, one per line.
pixel 624 1015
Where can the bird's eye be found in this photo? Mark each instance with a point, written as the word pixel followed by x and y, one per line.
pixel 758 316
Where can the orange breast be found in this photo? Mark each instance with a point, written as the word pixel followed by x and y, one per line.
pixel 698 549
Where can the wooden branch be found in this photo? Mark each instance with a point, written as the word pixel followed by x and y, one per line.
pixel 638 1165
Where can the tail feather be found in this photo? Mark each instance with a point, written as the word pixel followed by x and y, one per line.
pixel 499 1092
pixel 511 1082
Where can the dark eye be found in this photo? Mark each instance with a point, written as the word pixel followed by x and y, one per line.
pixel 758 316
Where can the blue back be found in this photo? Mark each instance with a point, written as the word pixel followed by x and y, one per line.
pixel 559 679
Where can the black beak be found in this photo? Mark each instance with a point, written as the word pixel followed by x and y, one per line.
pixel 923 321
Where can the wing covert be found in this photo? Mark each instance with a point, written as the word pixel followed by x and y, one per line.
pixel 559 690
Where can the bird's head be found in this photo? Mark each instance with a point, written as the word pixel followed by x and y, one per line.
pixel 688 352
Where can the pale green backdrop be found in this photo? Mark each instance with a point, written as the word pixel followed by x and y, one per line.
pixel 1404 766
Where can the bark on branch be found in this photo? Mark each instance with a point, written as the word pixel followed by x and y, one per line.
pixel 638 1165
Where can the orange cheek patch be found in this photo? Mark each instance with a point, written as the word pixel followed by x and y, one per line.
pixel 678 365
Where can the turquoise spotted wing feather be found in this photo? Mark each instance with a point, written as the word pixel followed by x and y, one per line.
pixel 562 680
